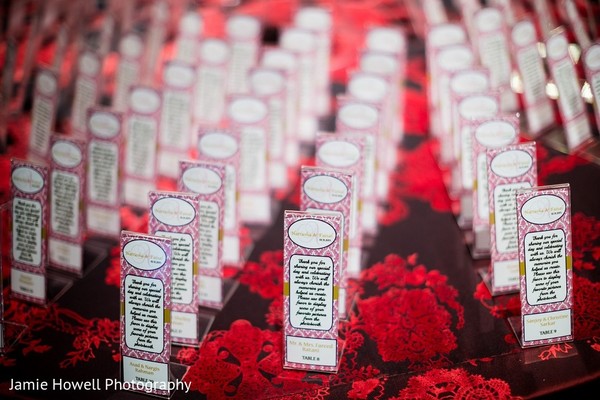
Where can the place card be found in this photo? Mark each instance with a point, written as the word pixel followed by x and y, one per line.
pixel 249 115
pixel 538 107
pixel 509 169
pixel 577 25
pixel 269 84
pixel 591 64
pixel 494 52
pixel 572 110
pixel 304 44
pixel 546 19
pixel 328 189
pixel 175 139
pixel 311 273
pixel 377 90
pixel 29 216
pixel 243 33
pixel 189 33
pixel 142 123
pixel 470 108
pixel 438 36
pixel 210 88
pixel 43 113
pixel 87 89
pixel 66 235
pixel 490 133
pixel 319 20
pixel 364 120
pixel 103 201
pixel 223 147
pixel 207 180
pixel 346 152
pixel 145 312
pixel 129 71
pixel 545 265
pixel 462 83
pixel 156 35
pixel 287 62
pixel 448 60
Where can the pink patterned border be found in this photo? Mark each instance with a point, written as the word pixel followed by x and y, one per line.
pixel 495 180
pixel 592 73
pixel 41 197
pixel 561 192
pixel 331 251
pixel 39 136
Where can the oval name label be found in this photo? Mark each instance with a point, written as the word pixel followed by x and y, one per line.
pixel 144 100
pixel 495 133
pixel 311 233
pixel 325 189
pixel 66 154
pixel 543 209
pixel 217 145
pixel 247 110
pixel 104 125
pixel 511 163
pixel 358 116
pixel 173 211
pixel 145 255
pixel 202 180
pixel 27 180
pixel 339 154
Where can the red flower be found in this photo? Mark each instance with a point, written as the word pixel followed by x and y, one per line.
pixel 364 389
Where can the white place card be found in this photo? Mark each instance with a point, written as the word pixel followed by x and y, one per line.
pixel 319 20
pixel 29 216
pixel 103 199
pixel 572 110
pixel 223 147
pixel 311 274
pixel 130 69
pixel 142 124
pixel 509 168
pixel 249 115
pixel 145 313
pixel 364 120
pixel 494 53
pixel 304 44
pixel 87 88
pixel 207 179
pixel 66 235
pixel 210 87
pixel 189 33
pixel 269 84
pixel 545 264
pixel 346 152
pixel 591 64
pixel 243 33
pixel 538 107
pixel 43 113
pixel 287 62
pixel 175 138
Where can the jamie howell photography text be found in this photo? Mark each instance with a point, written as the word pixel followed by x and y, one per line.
pixel 108 384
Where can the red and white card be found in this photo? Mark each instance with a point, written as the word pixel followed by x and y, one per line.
pixel 189 33
pixel 66 235
pixel 346 152
pixel 142 124
pixel 145 312
pixel 175 215
pixel 207 179
pixel 571 106
pixel 330 190
pixel 528 62
pixel 43 113
pixel 29 219
pixel 312 244
pixel 509 168
pixel 175 139
pixel 249 116
pixel 545 265
pixel 103 199
pixel 223 147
